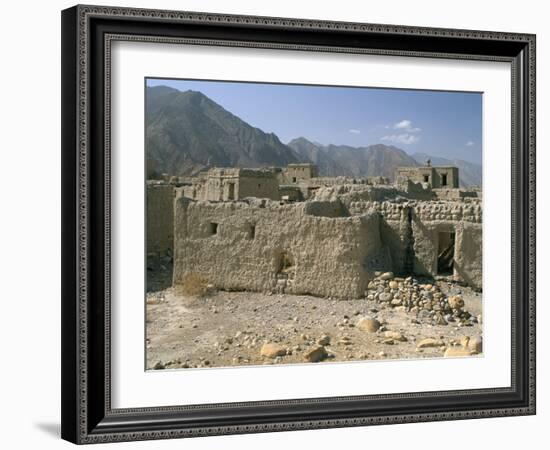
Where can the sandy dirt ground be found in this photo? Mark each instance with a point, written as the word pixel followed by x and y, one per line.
pixel 231 328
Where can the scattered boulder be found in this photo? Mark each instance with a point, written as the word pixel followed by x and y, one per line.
pixel 475 344
pixel 368 324
pixel 395 335
pixel 453 352
pixel 430 342
pixel 345 341
pixel 393 284
pixel 272 350
pixel 456 302
pixel 315 354
pixel 324 340
pixel 158 366
pixel 386 276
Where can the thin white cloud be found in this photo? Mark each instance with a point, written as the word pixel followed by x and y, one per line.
pixel 403 138
pixel 406 125
pixel 470 144
pixel 354 131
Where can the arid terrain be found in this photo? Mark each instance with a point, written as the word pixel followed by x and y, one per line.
pixel 398 318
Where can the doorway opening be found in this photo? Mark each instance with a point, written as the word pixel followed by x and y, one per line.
pixel 445 253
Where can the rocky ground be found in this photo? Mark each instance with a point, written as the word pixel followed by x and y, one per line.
pixel 398 318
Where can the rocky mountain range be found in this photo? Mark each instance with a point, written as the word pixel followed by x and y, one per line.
pixel 187 132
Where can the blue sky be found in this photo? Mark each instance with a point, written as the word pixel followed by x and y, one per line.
pixel 445 124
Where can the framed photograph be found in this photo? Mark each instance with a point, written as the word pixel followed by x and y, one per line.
pixel 280 224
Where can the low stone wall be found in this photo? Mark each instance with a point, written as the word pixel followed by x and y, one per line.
pixel 270 247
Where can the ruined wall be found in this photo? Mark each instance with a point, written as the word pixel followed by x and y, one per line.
pixel 229 184
pixel 259 184
pixel 436 176
pixel 445 177
pixel 395 231
pixel 335 240
pixel 411 231
pixel 349 193
pixel 462 218
pixel 294 173
pixel 469 254
pixel 239 246
pixel 291 193
pixel 454 194
pixel 160 219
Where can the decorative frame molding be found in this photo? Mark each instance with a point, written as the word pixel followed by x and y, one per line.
pixel 87 34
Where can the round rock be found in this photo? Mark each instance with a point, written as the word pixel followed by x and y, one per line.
pixel 368 324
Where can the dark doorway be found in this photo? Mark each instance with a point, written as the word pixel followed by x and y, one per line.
pixel 444 179
pixel 445 253
pixel 231 193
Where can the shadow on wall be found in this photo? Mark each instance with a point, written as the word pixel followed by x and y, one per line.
pixel 426 235
pixel 463 276
pixel 400 243
pixel 328 208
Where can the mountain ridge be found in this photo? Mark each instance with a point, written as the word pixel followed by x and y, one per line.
pixel 187 132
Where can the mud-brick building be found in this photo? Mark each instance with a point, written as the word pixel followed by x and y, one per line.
pixel 329 248
pixel 297 173
pixel 436 176
pixel 298 248
pixel 229 184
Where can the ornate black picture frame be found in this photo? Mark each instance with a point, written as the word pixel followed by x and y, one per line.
pixel 87 34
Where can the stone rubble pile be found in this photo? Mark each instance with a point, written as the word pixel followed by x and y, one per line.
pixel 425 300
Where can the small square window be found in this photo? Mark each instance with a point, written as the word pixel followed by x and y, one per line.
pixel 213 228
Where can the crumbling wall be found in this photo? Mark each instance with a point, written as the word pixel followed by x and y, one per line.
pixel 239 246
pixel 258 186
pixel 410 231
pixel 160 219
pixel 469 254
pixel 395 233
pixel 295 173
pixel 462 218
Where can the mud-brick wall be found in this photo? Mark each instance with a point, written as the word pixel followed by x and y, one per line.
pixel 470 211
pixel 160 219
pixel 237 246
pixel 410 232
pixel 258 186
pixel 395 230
pixel 464 219
pixel 468 265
